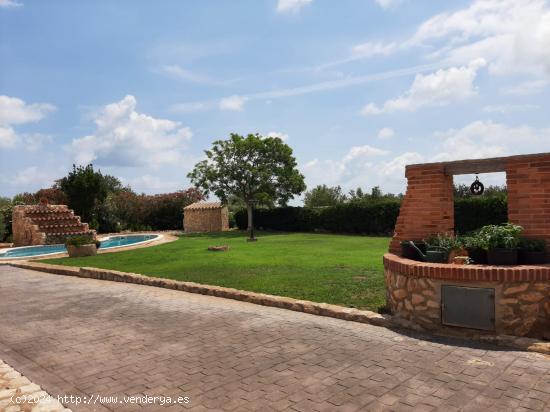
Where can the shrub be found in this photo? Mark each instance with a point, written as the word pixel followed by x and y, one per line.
pixel 506 236
pixel 532 245
pixel 79 240
pixel 472 213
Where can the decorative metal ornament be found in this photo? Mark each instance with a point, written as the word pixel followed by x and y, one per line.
pixel 477 187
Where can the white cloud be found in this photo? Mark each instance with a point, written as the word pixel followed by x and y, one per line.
pixel 509 108
pixel 152 184
pixel 386 133
pixel 396 166
pixel 291 6
pixel 357 152
pixel 488 139
pixel 362 166
pixel 32 176
pixel 124 137
pixel 513 36
pixel 527 88
pixel 8 138
pixel 435 89
pixel 184 74
pixel 14 111
pixel 386 4
pixel 282 136
pixel 10 3
pixel 370 49
pixel 233 103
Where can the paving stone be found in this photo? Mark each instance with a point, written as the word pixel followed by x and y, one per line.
pixel 86 337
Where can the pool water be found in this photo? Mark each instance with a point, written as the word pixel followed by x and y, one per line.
pixel 108 243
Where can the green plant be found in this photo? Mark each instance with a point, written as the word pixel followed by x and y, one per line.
pixel 532 245
pixel 443 241
pixel 504 236
pixel 472 241
pixel 79 240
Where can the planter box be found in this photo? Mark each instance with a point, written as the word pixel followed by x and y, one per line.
pixel 502 256
pixel 81 251
pixel 530 257
pixel 478 255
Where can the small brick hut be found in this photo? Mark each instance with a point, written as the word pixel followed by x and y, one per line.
pixel 205 217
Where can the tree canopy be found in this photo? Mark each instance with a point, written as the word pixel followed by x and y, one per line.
pixel 86 189
pixel 323 195
pixel 254 168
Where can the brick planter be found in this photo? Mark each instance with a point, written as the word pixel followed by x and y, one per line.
pixel 521 294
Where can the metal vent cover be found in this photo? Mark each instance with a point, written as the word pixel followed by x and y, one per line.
pixel 468 307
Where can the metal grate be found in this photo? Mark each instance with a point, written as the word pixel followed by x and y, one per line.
pixel 468 307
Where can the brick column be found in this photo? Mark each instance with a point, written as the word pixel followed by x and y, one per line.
pixel 528 182
pixel 428 206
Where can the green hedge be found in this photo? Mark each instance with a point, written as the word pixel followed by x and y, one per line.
pixel 472 213
pixel 376 218
pixel 370 218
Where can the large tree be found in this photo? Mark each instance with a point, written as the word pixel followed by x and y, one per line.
pixel 86 190
pixel 255 169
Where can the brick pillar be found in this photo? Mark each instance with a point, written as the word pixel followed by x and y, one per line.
pixel 528 183
pixel 428 206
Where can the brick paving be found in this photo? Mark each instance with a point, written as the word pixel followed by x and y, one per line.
pixel 87 337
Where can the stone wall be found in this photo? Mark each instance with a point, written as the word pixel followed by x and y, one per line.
pixel 45 225
pixel 205 219
pixel 522 294
pixel 25 231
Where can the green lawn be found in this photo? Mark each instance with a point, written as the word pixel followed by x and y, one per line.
pixel 338 269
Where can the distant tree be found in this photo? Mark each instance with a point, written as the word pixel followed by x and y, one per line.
pixel 376 193
pixel 323 195
pixel 254 169
pixel 86 190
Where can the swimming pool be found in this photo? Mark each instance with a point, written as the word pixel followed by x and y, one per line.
pixel 110 242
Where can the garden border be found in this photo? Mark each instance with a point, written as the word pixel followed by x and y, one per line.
pixel 297 305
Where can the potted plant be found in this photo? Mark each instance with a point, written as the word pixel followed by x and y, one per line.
pixel 447 245
pixel 501 243
pixel 532 251
pixel 80 246
pixel 474 246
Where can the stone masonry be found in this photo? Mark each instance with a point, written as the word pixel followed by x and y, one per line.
pixel 205 217
pixel 522 294
pixel 45 225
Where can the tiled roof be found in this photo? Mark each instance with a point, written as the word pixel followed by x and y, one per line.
pixel 204 205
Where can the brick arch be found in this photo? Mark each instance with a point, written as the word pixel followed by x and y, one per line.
pixel 428 206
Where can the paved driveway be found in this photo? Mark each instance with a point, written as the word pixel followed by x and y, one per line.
pixel 95 338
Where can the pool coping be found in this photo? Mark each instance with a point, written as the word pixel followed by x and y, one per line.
pixel 162 238
pixel 282 302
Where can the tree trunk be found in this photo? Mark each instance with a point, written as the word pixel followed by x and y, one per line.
pixel 250 228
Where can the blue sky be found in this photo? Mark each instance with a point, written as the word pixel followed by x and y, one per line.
pixel 358 88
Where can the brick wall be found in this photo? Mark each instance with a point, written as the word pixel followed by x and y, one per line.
pixel 428 206
pixel 528 182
